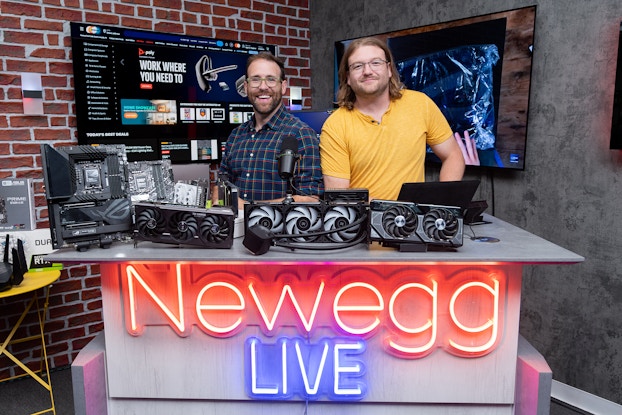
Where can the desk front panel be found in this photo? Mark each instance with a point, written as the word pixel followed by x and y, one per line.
pixel 402 332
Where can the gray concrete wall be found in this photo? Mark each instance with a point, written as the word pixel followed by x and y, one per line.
pixel 571 190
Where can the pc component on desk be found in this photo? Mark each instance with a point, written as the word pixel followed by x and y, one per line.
pixel 184 225
pixel 195 193
pixel 151 181
pixel 87 195
pixel 346 195
pixel 228 195
pixel 298 225
pixel 414 227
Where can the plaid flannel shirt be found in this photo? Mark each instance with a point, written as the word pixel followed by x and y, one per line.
pixel 250 158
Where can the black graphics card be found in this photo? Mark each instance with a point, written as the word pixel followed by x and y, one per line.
pixel 184 225
pixel 414 227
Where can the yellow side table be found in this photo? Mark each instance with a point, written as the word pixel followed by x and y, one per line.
pixel 32 282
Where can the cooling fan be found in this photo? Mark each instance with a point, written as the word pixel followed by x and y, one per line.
pixel 411 226
pixel 215 229
pixel 400 221
pixel 150 222
pixel 267 215
pixel 183 226
pixel 440 224
pixel 176 224
pixel 341 219
pixel 301 220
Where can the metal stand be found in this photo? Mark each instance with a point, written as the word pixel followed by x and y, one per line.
pixel 33 281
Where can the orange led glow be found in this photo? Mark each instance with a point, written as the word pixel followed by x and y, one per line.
pixel 339 309
pixel 414 310
pixel 492 323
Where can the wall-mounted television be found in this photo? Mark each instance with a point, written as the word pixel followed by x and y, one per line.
pixel 164 96
pixel 616 121
pixel 478 71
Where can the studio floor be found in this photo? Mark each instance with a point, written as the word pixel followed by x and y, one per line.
pixel 25 396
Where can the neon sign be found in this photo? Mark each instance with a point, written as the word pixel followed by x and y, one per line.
pixel 315 321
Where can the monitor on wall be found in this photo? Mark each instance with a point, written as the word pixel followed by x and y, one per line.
pixel 478 71
pixel 616 121
pixel 164 96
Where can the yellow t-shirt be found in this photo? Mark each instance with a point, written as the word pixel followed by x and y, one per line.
pixel 382 156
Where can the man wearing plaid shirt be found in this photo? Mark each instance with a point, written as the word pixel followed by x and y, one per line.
pixel 250 158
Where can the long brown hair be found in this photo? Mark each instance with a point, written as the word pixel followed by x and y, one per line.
pixel 345 95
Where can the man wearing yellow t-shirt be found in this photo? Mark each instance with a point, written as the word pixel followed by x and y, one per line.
pixel 377 138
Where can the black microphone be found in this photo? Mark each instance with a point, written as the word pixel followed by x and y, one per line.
pixel 288 157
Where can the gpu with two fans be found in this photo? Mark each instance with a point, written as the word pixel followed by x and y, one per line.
pixel 413 227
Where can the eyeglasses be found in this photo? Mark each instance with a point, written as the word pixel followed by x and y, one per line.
pixel 374 65
pixel 256 81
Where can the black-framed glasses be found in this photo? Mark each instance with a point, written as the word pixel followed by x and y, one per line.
pixel 255 81
pixel 374 65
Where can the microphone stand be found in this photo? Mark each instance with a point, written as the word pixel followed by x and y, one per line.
pixel 289 195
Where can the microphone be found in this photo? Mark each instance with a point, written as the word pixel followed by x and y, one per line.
pixel 288 157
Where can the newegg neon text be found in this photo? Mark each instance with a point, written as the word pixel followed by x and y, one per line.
pixel 317 321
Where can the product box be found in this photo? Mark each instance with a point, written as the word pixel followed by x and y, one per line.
pixel 17 205
pixel 37 243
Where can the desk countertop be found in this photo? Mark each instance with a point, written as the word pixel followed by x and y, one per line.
pixel 515 245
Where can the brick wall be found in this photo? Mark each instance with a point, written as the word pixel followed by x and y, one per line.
pixel 35 38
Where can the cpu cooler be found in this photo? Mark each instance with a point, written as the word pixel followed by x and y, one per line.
pixel 414 227
pixel 304 225
pixel 174 224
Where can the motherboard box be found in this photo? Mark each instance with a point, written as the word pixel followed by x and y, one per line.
pixel 17 205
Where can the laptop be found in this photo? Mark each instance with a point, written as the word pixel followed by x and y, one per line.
pixel 456 193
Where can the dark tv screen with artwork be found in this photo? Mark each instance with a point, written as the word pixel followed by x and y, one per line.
pixel 478 71
pixel 164 96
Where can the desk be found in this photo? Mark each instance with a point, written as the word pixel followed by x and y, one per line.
pixel 32 282
pixel 195 331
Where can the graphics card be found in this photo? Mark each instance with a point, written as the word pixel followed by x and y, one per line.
pixel 411 226
pixel 309 223
pixel 174 224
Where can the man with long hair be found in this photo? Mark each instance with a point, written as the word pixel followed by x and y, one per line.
pixel 377 138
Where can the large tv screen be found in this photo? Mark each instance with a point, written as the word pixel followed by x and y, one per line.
pixel 164 96
pixel 478 71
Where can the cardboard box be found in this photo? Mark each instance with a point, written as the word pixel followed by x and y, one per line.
pixel 17 205
pixel 37 243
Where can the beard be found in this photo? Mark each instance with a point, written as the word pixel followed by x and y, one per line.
pixel 265 102
pixel 370 90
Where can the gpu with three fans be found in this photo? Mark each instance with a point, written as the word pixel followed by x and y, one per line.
pixel 184 225
pixel 413 227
